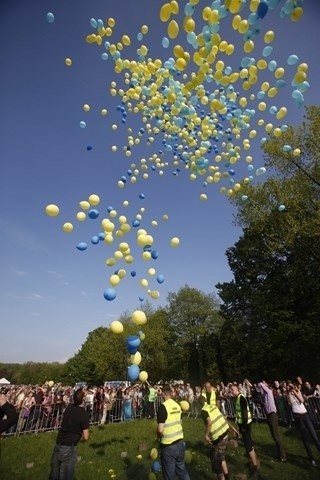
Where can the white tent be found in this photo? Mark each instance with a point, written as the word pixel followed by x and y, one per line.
pixel 4 381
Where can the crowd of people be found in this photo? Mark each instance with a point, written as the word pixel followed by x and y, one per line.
pixel 290 402
pixel 112 402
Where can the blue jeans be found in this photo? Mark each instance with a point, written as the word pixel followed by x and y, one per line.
pixel 63 462
pixel 172 462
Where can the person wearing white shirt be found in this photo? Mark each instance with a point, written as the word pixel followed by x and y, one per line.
pixel 303 421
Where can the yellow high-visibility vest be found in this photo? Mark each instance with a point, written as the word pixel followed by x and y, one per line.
pixel 172 427
pixel 212 397
pixel 219 425
pixel 238 410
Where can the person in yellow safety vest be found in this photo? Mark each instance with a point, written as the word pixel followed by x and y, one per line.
pixel 170 434
pixel 244 421
pixel 209 394
pixel 152 396
pixel 216 434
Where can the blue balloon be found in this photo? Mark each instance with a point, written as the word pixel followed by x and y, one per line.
pixel 156 466
pixel 95 240
pixel 281 208
pixel 93 213
pixel 93 22
pixel 133 372
pixel 133 273
pixel 50 17
pixel 110 294
pixel 132 350
pixel 141 195
pixel 89 147
pixel 262 9
pixel 292 59
pixel 160 278
pixel 154 254
pixel 83 124
pixel 141 299
pixel 133 341
pixel 165 42
pixel 82 246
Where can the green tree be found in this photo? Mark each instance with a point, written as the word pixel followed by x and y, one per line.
pixel 195 317
pixel 272 306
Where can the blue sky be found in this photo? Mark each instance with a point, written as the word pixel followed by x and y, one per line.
pixel 51 294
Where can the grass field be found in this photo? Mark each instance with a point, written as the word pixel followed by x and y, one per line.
pixel 28 457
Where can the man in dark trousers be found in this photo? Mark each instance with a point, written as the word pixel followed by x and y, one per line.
pixel 74 426
pixel 8 414
pixel 244 421
pixel 170 434
pixel 272 418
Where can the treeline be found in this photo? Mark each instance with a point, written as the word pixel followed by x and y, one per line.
pixel 265 322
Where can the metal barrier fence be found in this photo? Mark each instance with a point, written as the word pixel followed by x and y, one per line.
pixel 48 418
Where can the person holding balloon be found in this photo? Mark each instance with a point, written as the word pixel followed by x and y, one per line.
pixel 170 434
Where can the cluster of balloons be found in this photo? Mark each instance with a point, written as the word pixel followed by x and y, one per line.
pixel 207 100
pixel 132 344
pixel 113 228
pixel 206 110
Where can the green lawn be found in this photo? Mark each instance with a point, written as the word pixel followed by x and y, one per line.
pixel 28 457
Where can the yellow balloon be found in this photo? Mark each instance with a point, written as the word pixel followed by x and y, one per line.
pixel 248 46
pixel 114 280
pixel 184 405
pixel 296 152
pixel 81 216
pixel 296 14
pixel 300 76
pixel 181 64
pixel 236 22
pixel 94 199
pixel 136 358
pixel 155 294
pixel 281 113
pixel 84 205
pixel 126 40
pixel 68 62
pixel 174 7
pixel 116 327
pixel 174 242
pixel 67 227
pixel 86 107
pixel 154 454
pixel 52 210
pixel 165 12
pixel 139 317
pixel 189 24
pixel 143 376
pixel 269 36
pixel 51 383
pixel 235 6
pixel 173 29
pixel 244 25
pixel 279 72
